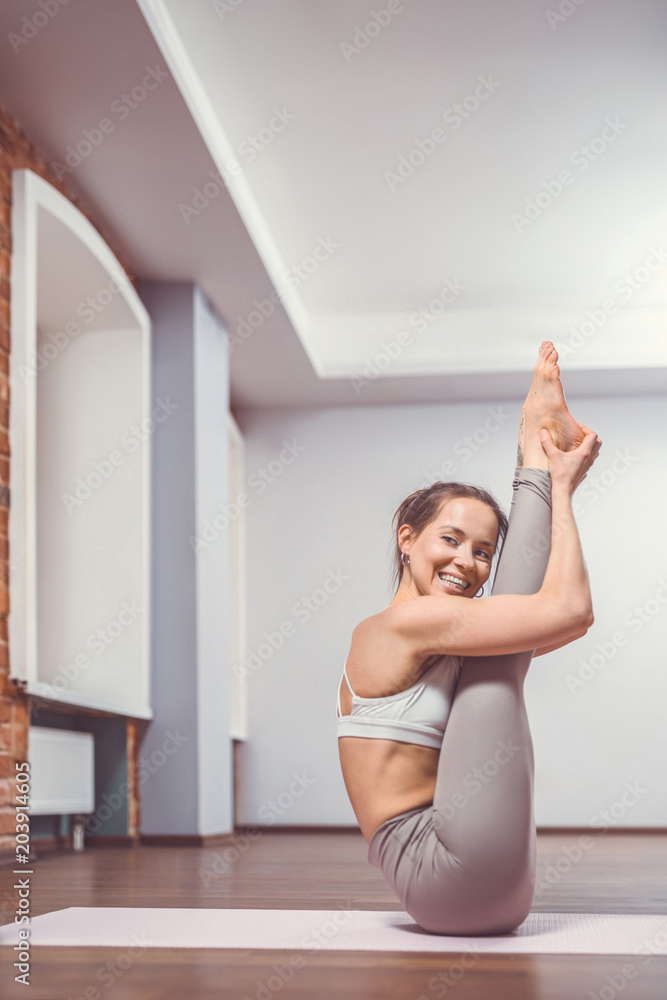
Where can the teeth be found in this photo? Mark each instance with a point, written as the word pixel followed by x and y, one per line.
pixel 452 579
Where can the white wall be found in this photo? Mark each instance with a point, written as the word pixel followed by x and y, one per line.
pixel 328 515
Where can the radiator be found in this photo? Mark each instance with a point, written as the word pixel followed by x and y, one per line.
pixel 62 771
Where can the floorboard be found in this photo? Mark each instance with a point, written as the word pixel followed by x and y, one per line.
pixel 614 873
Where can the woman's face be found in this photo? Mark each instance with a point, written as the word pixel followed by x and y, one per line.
pixel 459 542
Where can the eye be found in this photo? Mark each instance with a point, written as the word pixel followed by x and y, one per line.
pixel 483 553
pixel 448 538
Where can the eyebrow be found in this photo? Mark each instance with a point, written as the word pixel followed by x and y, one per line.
pixel 452 527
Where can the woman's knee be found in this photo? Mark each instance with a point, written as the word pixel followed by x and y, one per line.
pixel 513 908
pixel 471 924
pixel 514 915
pixel 475 912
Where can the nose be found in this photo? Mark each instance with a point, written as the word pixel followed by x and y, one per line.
pixel 464 558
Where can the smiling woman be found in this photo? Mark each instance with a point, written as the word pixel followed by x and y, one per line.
pixel 433 734
pixel 467 538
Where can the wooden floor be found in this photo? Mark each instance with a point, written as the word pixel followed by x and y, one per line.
pixel 619 873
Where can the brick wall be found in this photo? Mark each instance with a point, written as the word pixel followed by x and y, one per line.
pixel 16 151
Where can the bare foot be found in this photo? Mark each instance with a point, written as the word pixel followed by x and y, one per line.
pixel 545 404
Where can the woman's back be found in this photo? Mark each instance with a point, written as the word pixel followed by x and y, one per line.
pixel 383 775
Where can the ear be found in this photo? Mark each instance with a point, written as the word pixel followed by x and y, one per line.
pixel 403 535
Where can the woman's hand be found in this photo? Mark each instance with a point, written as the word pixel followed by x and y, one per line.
pixel 569 468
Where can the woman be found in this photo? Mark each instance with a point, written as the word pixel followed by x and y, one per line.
pixel 434 740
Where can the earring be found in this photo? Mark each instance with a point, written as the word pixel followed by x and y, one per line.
pixel 481 594
pixel 403 560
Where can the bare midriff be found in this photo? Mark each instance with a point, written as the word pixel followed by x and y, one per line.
pixel 383 778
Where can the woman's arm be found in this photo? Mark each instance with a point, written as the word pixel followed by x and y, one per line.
pixel 573 483
pixel 557 645
pixel 566 566
pixel 508 623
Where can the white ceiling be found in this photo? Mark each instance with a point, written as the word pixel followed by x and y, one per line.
pixel 324 179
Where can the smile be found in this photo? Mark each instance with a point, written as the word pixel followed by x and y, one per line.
pixel 454 580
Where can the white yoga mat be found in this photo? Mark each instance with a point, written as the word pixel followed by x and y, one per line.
pixel 311 931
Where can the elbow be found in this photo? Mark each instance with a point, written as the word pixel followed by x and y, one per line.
pixel 581 610
pixel 579 615
pixel 586 617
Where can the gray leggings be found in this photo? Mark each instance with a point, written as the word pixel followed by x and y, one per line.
pixel 465 864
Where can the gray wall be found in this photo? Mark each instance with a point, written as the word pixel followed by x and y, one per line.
pixel 186 774
pixel 326 517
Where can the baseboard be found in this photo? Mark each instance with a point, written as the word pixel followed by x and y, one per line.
pixel 297 828
pixel 562 830
pixel 47 845
pixel 59 842
pixel 594 831
pixel 187 839
pixel 105 840
pixel 36 847
pixel 590 830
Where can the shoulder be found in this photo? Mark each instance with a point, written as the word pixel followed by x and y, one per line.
pixel 424 607
pixel 424 622
pixel 379 622
pixel 385 624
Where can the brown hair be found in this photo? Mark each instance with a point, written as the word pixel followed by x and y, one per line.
pixel 422 506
